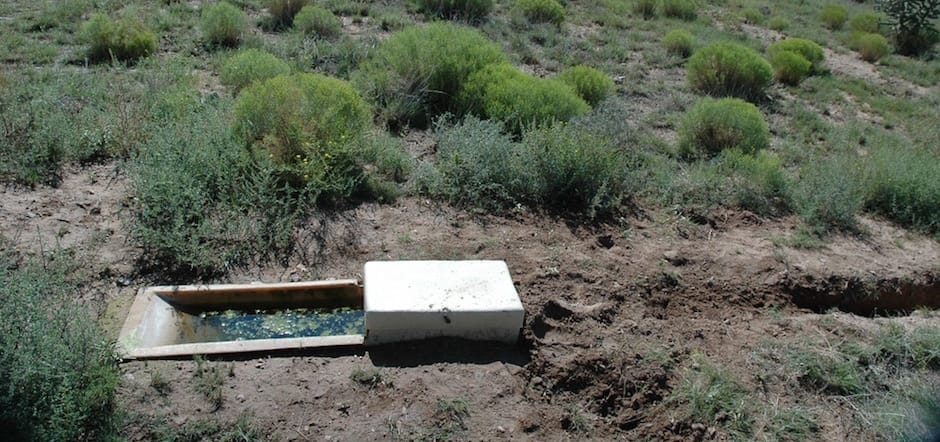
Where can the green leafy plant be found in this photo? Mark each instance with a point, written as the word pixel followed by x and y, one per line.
pixel 912 22
pixel 679 42
pixel 681 9
pixel 872 47
pixel 709 392
pixel 368 378
pixel 757 181
pixel 249 66
pixel 123 39
pixel 830 193
pixel 591 84
pixel 713 125
pixel 541 11
pixel 834 16
pixel 314 20
pixel 729 69
pixel 790 67
pixel 753 16
pixel 415 74
pixel 519 100
pixel 867 22
pixel 283 12
pixel 464 9
pixel 809 50
pixel 778 23
pixel 646 8
pixel 223 24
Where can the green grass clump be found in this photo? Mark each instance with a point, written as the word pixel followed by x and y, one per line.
pixel 708 392
pixel 806 48
pixel 757 181
pixel 646 8
pixel 867 22
pixel 679 42
pixel 249 66
pixel 471 10
pixel 415 74
pixel 591 84
pixel 872 47
pixel 729 69
pixel 905 188
pixel 541 11
pixel 123 39
pixel 753 16
pixel 223 24
pixel 778 23
pixel 713 125
pixel 519 100
pixel 680 9
pixel 283 12
pixel 314 20
pixel 830 193
pixel 58 374
pixel 790 67
pixel 834 16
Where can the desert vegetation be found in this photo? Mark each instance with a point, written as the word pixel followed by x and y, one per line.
pixel 288 139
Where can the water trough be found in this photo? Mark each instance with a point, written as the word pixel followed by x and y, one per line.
pixel 396 301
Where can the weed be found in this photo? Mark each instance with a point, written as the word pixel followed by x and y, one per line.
pixel 159 383
pixel 793 424
pixel 249 66
pixel 753 16
pixel 872 47
pixel 124 39
pixel 541 11
pixel 452 414
pixel 576 421
pixel 867 22
pixel 368 378
pixel 471 10
pixel 834 16
pixel 209 381
pixel 679 42
pixel 681 9
pixel 712 395
pixel 223 24
pixel 314 20
pixel 241 430
pixel 713 125
pixel 830 193
pixel 778 23
pixel 592 85
pixel 646 8
pixel 725 69
pixel 903 187
pixel 283 12
pixel 807 49
pixel 790 67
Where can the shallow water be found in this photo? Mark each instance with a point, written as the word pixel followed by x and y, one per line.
pixel 234 325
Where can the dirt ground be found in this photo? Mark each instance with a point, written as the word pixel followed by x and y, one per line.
pixel 614 310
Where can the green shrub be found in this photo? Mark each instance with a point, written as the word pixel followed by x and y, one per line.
pixel 872 47
pixel 679 42
pixel 123 39
pixel 314 20
pixel 729 69
pixel 905 188
pixel 713 125
pixel 913 24
pixel 519 100
pixel 465 9
pixel 283 12
pixel 249 66
pixel 790 67
pixel 778 23
pixel 757 182
pixel 416 73
pixel 681 9
pixel 830 193
pixel 834 16
pixel 808 49
pixel 753 16
pixel 646 8
pixel 541 11
pixel 58 373
pixel 867 22
pixel 302 120
pixel 592 85
pixel 223 24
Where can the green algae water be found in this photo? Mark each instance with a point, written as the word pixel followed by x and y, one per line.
pixel 235 325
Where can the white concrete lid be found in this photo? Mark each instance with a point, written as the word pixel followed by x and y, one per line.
pixel 455 286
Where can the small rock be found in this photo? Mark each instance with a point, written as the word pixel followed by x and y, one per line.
pixel 698 427
pixel 123 281
pixel 240 398
pixel 673 257
pixel 536 380
pixel 500 429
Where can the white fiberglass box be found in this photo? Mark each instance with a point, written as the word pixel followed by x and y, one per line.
pixel 412 300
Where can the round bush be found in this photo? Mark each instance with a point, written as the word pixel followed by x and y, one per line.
pixel 123 39
pixel 502 92
pixel 872 47
pixel 592 85
pixel 416 73
pixel 867 22
pixel 753 16
pixel 646 8
pixel 542 11
pixel 679 42
pixel 790 67
pixel 713 125
pixel 314 20
pixel 681 9
pixel 283 12
pixel 729 69
pixel 223 24
pixel 808 49
pixel 300 117
pixel 250 66
pixel 465 9
pixel 834 16
pixel 778 23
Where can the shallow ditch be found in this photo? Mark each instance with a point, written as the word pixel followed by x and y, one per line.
pixel 887 297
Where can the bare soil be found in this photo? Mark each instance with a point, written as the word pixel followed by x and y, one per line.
pixel 613 312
